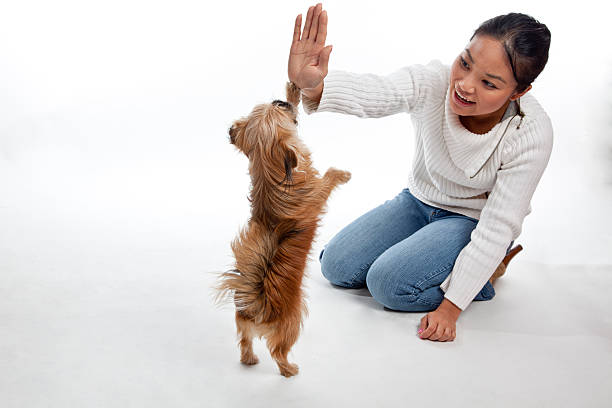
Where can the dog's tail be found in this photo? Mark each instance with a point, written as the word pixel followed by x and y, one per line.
pixel 264 283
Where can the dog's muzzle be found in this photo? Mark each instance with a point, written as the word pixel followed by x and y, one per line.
pixel 282 104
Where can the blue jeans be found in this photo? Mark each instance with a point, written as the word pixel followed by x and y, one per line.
pixel 402 250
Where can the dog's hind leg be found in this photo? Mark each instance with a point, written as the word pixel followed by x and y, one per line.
pixel 280 342
pixel 245 334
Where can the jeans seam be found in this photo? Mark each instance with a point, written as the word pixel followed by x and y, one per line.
pixel 361 269
pixel 424 302
pixel 433 275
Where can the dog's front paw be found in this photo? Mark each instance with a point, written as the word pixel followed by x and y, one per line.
pixel 338 176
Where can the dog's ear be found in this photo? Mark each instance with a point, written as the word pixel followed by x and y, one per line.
pixel 286 154
pixel 291 162
pixel 293 94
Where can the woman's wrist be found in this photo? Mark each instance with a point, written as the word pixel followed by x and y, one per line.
pixel 450 308
pixel 314 94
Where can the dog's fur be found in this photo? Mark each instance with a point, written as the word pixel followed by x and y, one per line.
pixel 287 200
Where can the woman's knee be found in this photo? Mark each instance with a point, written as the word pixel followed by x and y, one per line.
pixel 380 286
pixel 340 266
pixel 384 284
pixel 396 290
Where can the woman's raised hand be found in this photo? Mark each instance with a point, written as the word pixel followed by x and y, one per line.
pixel 309 56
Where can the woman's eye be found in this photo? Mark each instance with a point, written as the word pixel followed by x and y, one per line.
pixel 489 84
pixel 465 65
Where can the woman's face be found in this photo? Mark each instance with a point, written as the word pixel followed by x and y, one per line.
pixel 481 74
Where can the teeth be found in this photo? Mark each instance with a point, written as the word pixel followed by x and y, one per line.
pixel 462 97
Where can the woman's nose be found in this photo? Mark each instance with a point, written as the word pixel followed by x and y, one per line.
pixel 466 85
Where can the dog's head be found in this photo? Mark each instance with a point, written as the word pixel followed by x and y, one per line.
pixel 268 136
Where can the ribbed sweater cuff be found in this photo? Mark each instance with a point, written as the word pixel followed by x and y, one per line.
pixel 469 278
pixel 332 97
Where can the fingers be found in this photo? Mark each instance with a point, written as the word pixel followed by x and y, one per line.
pixel 322 31
pixel 446 334
pixel 441 333
pixel 430 329
pixel 324 59
pixel 437 335
pixel 423 325
pixel 433 330
pixel 308 23
pixel 314 27
pixel 297 28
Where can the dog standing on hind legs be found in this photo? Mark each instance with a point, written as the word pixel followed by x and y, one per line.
pixel 288 198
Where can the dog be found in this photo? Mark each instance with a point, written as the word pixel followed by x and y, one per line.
pixel 288 198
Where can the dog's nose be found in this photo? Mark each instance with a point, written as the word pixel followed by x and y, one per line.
pixel 232 135
pixel 282 104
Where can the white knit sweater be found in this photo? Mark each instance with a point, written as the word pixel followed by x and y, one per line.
pixel 454 168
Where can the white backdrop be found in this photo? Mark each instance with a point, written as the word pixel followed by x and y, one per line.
pixel 116 113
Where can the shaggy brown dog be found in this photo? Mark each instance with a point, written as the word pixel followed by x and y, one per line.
pixel 287 198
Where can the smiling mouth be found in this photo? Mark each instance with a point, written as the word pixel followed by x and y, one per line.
pixel 461 100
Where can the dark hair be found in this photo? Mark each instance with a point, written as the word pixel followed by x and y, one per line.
pixel 526 42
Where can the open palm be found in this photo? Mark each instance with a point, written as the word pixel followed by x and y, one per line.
pixel 309 57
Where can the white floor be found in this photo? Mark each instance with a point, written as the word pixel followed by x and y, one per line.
pixel 133 326
pixel 110 306
pixel 120 194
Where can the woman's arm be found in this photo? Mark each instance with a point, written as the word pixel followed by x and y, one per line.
pixel 311 98
pixel 523 163
pixel 500 223
pixel 363 95
pixel 372 96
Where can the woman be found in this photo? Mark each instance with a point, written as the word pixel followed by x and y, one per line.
pixel 482 144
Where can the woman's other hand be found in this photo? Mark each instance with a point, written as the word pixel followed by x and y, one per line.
pixel 309 57
pixel 440 325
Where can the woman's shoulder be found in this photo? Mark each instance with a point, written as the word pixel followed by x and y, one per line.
pixel 532 108
pixel 435 73
pixel 533 130
pixel 432 81
pixel 536 116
